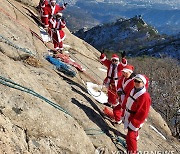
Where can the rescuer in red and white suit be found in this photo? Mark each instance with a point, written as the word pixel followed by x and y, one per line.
pixel 125 85
pixel 50 10
pixel 113 75
pixel 58 35
pixel 136 110
pixel 42 5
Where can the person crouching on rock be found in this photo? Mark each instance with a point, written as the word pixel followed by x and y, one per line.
pixel 113 74
pixel 58 35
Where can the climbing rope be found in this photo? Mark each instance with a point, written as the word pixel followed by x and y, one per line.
pixel 92 131
pixel 14 85
pixel 84 55
pixel 91 76
pixel 33 33
pixel 118 142
pixel 87 67
pixel 91 79
pixel 6 41
pixel 21 11
pixel 11 84
pixel 26 28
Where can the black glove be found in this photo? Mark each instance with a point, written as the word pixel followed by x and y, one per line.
pixel 65 4
pixel 120 93
pixel 62 19
pixel 123 54
pixel 102 51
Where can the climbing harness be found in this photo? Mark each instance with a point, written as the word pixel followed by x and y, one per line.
pixel 11 84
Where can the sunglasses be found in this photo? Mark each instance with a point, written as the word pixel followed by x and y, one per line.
pixel 137 81
pixel 114 60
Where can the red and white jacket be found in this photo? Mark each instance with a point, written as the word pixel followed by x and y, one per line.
pixel 42 5
pixel 49 11
pixel 125 85
pixel 56 27
pixel 137 109
pixel 112 75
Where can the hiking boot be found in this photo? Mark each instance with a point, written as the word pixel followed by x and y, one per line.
pixel 108 113
pixel 116 123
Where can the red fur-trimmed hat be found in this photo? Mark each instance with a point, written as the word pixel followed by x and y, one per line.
pixel 114 56
pixel 143 78
pixel 128 68
pixel 53 1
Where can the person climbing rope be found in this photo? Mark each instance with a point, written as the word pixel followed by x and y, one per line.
pixel 113 75
pixel 125 85
pixel 57 34
pixel 50 10
pixel 138 103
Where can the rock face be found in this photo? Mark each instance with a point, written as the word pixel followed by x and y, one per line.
pixel 28 124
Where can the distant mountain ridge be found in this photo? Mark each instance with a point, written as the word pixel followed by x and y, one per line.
pixel 164 15
pixel 134 36
pixel 171 4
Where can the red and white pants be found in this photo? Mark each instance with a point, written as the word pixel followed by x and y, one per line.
pixel 117 112
pixel 131 141
pixel 112 95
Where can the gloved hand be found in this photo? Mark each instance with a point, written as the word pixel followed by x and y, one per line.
pixel 65 4
pixel 41 1
pixel 46 29
pixel 120 93
pixel 102 51
pixel 62 19
pixel 123 54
